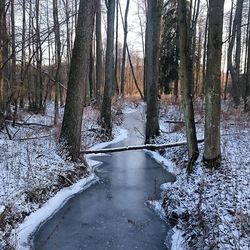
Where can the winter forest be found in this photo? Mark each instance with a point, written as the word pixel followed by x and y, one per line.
pixel 124 124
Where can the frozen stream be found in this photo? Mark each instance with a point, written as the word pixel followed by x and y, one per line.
pixel 112 213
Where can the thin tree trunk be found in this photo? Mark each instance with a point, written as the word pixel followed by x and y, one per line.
pixel 204 58
pixel 23 59
pixel 99 52
pixel 14 89
pixel 247 84
pixel 116 81
pixel 235 68
pixel 58 58
pixel 124 48
pixel 106 119
pixel 186 83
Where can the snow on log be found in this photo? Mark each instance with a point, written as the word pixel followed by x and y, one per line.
pixel 137 147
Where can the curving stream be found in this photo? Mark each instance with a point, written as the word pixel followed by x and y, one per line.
pixel 112 213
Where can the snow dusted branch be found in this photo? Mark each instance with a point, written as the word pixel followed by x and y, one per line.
pixel 137 147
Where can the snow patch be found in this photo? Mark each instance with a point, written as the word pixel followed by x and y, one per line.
pixel 177 240
pixel 169 166
pixel 120 135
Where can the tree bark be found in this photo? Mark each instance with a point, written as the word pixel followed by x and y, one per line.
pixel 152 67
pixel 71 127
pixel 235 68
pixel 212 151
pixel 23 59
pixel 186 80
pixel 58 58
pixel 99 52
pixel 124 48
pixel 106 118
pixel 247 84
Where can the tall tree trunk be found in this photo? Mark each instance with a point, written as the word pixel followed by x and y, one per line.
pixel 14 89
pixel 198 66
pixel 152 67
pixel 212 151
pixel 23 59
pixel 106 119
pixel 204 59
pixel 116 80
pixel 186 79
pixel 4 90
pixel 235 68
pixel 91 72
pixel 78 76
pixel 58 58
pixel 124 48
pixel 99 52
pixel 39 83
pixel 229 54
pixel 247 84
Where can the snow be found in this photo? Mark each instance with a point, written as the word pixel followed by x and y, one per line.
pixel 120 134
pixel 31 188
pixel 212 206
pixel 169 166
pixel 177 240
pixel 33 221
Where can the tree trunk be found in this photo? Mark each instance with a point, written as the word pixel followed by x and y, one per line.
pixel 116 89
pixel 186 79
pixel 124 48
pixel 204 59
pixel 3 65
pixel 58 58
pixel 14 89
pixel 212 151
pixel 152 67
pixel 247 84
pixel 106 119
pixel 71 127
pixel 235 68
pixel 23 59
pixel 99 52
pixel 228 53
pixel 39 83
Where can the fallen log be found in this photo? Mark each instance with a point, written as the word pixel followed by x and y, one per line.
pixel 30 124
pixel 137 147
pixel 178 122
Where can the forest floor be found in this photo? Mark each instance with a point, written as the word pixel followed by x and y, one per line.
pixel 209 209
pixel 33 168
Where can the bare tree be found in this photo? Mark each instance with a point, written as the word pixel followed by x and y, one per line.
pixel 99 52
pixel 106 118
pixel 124 48
pixel 186 80
pixel 236 38
pixel 78 76
pixel 212 152
pixel 58 58
pixel 152 67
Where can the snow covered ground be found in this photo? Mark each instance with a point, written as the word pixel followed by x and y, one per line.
pixel 210 209
pixel 32 170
